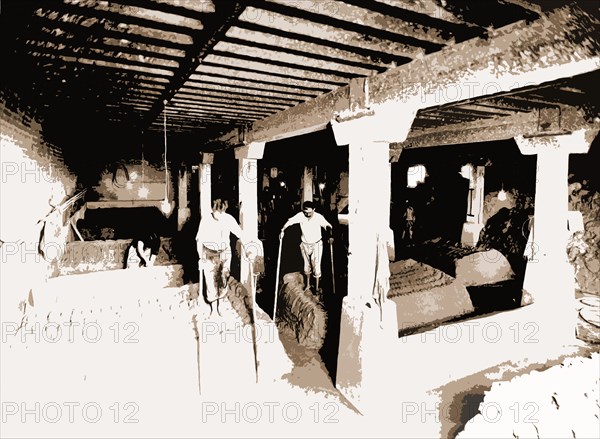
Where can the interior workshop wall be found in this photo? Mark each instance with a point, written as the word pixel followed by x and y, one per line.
pixel 131 180
pixel 34 179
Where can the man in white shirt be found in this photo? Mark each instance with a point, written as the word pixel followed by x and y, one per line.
pixel 214 249
pixel 311 246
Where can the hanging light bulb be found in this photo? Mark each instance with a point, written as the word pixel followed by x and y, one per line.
pixel 502 194
pixel 165 205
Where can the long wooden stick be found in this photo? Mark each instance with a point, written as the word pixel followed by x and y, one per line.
pixel 201 277
pixel 254 339
pixel 277 281
pixel 332 270
pixel 200 296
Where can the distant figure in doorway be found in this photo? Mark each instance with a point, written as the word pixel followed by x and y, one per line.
pixel 142 251
pixel 214 249
pixel 311 245
pixel 409 223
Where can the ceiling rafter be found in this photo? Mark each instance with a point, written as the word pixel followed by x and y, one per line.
pixel 104 11
pixel 217 105
pixel 375 55
pixel 288 75
pixel 250 102
pixel 108 44
pixel 244 86
pixel 364 15
pixel 109 56
pixel 234 73
pixel 523 48
pixel 207 91
pixel 219 66
pixel 432 15
pixel 351 26
pixel 107 29
pixel 310 55
pixel 489 15
pixel 285 44
pixel 274 62
pixel 225 13
pixel 205 8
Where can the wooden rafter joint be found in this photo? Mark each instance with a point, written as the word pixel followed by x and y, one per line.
pixel 357 101
pixel 206 158
pixel 346 116
pixel 395 152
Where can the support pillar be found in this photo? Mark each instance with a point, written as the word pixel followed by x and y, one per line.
pixel 307 184
pixel 474 224
pixel 368 333
pixel 549 277
pixel 248 156
pixel 205 183
pixel 183 212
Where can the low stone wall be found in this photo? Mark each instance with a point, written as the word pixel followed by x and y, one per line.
pixel 90 256
pixel 300 314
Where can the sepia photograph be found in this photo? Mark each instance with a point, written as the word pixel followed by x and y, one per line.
pixel 300 218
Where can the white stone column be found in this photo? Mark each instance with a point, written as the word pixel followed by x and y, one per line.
pixel 307 184
pixel 204 182
pixel 368 334
pixel 549 277
pixel 183 212
pixel 248 156
pixel 474 224
pixel 369 202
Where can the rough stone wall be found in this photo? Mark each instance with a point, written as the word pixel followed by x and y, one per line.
pixel 132 181
pixel 34 180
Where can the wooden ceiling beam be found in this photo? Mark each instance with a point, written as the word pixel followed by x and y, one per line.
pixel 249 88
pixel 110 12
pixel 428 13
pixel 231 71
pixel 379 56
pixel 106 29
pixel 255 97
pixel 290 45
pixel 410 42
pixel 204 40
pixel 522 45
pixel 498 128
pixel 362 13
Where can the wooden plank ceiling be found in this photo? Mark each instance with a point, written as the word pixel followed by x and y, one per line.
pixel 572 92
pixel 220 64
